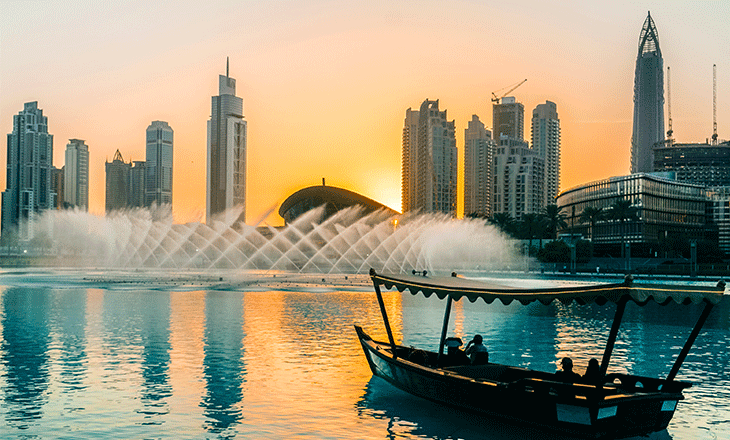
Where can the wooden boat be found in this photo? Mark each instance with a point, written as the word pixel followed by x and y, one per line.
pixel 617 405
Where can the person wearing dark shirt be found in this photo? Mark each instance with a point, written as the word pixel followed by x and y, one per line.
pixel 567 374
pixel 593 373
pixel 476 351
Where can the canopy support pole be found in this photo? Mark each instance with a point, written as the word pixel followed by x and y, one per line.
pixel 447 315
pixel 385 318
pixel 620 307
pixel 690 341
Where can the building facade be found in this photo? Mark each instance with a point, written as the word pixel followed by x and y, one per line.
pixel 136 197
pixel 28 189
pixel 718 212
pixel 158 167
pixel 226 160
pixel 478 169
pixel 663 209
pixel 701 164
pixel 409 160
pixel 432 160
pixel 76 175
pixel 519 179
pixel 508 119
pixel 648 100
pixel 117 183
pixel 546 142
pixel 57 186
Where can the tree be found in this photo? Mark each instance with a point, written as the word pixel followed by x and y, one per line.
pixel 592 215
pixel 554 220
pixel 531 226
pixel 504 222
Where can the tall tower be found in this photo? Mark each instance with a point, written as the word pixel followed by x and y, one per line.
pixel 29 168
pixel 648 99
pixel 76 174
pixel 409 161
pixel 117 183
pixel 508 119
pixel 546 141
pixel 158 167
pixel 478 160
pixel 226 163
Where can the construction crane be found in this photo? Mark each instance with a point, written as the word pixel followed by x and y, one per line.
pixel 496 99
pixel 714 104
pixel 669 104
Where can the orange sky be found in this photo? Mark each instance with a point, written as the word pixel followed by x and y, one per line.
pixel 326 84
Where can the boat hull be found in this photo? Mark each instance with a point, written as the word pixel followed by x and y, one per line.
pixel 524 396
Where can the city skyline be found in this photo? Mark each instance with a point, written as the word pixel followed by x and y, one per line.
pixel 324 86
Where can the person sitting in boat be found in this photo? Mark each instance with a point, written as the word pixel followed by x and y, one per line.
pixel 567 374
pixel 454 355
pixel 593 372
pixel 476 351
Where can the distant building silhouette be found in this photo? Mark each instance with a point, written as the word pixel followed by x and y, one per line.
pixel 76 175
pixel 158 166
pixel 57 186
pixel 29 167
pixel 508 119
pixel 117 183
pixel 430 161
pixel 648 100
pixel 546 142
pixel 478 169
pixel 226 163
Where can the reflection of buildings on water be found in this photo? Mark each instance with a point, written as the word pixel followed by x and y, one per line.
pixel 155 339
pixel 223 362
pixel 25 343
pixel 69 316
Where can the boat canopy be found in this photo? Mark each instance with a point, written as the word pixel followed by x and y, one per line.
pixel 458 287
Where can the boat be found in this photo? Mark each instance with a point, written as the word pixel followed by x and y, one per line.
pixel 615 405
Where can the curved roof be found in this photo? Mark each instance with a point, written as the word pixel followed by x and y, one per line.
pixel 335 199
pixel 457 288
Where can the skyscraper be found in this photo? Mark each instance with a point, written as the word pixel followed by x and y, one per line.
pixel 117 183
pixel 226 163
pixel 409 161
pixel 478 168
pixel 76 175
pixel 508 119
pixel 29 168
pixel 433 180
pixel 519 179
pixel 158 167
pixel 648 100
pixel 137 184
pixel 546 142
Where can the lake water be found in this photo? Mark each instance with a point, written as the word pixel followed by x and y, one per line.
pixel 155 362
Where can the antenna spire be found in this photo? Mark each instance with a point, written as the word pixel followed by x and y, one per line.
pixel 226 67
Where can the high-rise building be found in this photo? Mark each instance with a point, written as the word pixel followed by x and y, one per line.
pixel 57 186
pixel 546 142
pixel 158 167
pixel 76 175
pixel 478 169
pixel 648 100
pixel 409 160
pixel 519 178
pixel 137 184
pixel 226 163
pixel 117 183
pixel 29 167
pixel 508 119
pixel 430 160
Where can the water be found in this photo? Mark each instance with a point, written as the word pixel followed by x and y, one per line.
pixel 127 361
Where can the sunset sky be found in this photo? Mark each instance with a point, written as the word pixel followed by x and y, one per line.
pixel 326 84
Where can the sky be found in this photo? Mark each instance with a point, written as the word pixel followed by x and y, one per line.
pixel 326 84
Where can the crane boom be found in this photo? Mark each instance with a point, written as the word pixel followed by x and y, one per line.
pixel 496 99
pixel 669 104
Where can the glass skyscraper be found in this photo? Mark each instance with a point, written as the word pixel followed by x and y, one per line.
pixel 226 163
pixel 648 100
pixel 158 167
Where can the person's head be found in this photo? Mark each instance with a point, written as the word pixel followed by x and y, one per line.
pixel 593 363
pixel 477 339
pixel 567 364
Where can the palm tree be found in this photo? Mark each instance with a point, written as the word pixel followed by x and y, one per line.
pixel 554 220
pixel 503 221
pixel 592 215
pixel 531 226
pixel 621 211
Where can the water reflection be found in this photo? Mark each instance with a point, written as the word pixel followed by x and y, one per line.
pixel 25 355
pixel 224 368
pixel 155 362
pixel 68 321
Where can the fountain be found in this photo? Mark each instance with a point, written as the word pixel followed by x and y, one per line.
pixel 347 242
